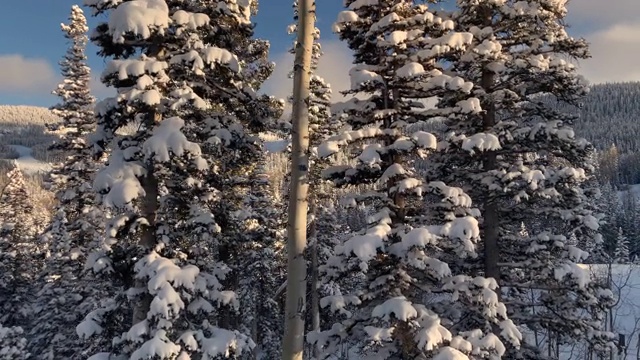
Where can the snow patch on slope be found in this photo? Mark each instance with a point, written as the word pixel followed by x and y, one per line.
pixel 27 163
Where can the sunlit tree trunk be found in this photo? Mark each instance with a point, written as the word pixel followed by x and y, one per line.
pixel 293 341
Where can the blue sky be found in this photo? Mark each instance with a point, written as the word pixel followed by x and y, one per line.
pixel 32 44
pixel 36 35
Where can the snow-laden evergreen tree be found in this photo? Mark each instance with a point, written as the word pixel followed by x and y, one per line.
pixel 64 299
pixel 401 256
pixel 262 266
pixel 621 254
pixel 536 170
pixel 609 205
pixel 178 184
pixel 75 108
pixel 627 217
pixel 586 238
pixel 20 258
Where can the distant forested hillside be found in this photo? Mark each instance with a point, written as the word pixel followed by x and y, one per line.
pixel 610 114
pixel 609 118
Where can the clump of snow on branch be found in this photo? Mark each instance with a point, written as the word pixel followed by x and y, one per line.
pixel 118 182
pixel 168 139
pixel 140 18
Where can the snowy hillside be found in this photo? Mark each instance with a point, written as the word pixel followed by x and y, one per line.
pixel 20 115
pixel 609 115
pixel 23 137
pixel 26 162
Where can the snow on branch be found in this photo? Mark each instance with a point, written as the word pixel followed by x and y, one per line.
pixel 333 144
pixel 365 247
pixel 134 67
pixel 362 75
pixel 119 181
pixel 140 18
pixel 191 21
pixel 168 139
pixel 211 56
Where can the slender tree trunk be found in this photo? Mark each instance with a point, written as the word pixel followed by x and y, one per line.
pixel 399 199
pixel 149 206
pixel 149 209
pixel 315 295
pixel 610 312
pixel 491 221
pixel 293 341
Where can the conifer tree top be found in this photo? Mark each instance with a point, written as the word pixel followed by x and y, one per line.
pixel 78 24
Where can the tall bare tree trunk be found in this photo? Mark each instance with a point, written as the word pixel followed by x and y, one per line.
pixel 491 221
pixel 149 206
pixel 293 341
pixel 147 238
pixel 315 295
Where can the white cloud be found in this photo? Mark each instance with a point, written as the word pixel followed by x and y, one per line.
pixel 613 33
pixel 333 67
pixel 598 13
pixel 26 75
pixel 615 52
pixel 36 76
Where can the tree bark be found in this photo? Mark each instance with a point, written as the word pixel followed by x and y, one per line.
pixel 491 217
pixel 315 295
pixel 293 341
pixel 149 207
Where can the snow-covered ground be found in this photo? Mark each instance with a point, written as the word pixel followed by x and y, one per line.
pixel 273 143
pixel 631 189
pixel 12 116
pixel 27 163
pixel 23 129
pixel 625 314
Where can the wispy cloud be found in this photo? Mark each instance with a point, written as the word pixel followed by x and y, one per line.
pixel 615 52
pixel 613 32
pixel 19 74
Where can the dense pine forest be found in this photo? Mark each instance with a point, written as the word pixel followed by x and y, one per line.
pixel 472 197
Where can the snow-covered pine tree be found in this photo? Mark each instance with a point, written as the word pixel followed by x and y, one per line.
pixel 621 253
pixel 75 108
pixel 402 254
pixel 627 217
pixel 609 205
pixel 177 184
pixel 63 299
pixel 535 174
pixel 251 240
pixel 20 257
pixel 263 265
pixel 588 238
